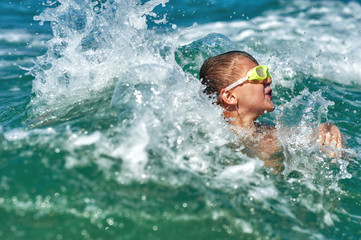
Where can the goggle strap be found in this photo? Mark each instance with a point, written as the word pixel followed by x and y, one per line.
pixel 238 82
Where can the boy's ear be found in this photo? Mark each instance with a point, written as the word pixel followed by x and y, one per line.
pixel 228 97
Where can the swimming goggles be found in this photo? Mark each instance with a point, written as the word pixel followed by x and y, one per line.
pixel 256 74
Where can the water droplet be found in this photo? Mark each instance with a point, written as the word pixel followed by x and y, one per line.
pixel 110 221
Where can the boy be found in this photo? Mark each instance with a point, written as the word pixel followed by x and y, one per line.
pixel 243 90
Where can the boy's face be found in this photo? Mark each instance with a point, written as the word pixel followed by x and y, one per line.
pixel 255 97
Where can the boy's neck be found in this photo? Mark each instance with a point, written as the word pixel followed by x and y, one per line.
pixel 249 123
pixel 242 120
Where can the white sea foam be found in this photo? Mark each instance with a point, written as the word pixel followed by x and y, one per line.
pixel 20 134
pixel 164 118
pixel 84 56
pixel 133 152
pixel 14 36
pixel 21 36
pixel 87 140
pixel 150 128
pixel 16 135
pixel 262 193
pixel 329 42
pixel 242 171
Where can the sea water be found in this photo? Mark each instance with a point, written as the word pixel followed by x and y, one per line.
pixel 106 132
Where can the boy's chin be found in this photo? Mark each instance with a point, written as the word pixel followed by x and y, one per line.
pixel 270 108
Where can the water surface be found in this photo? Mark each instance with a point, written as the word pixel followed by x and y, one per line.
pixel 106 133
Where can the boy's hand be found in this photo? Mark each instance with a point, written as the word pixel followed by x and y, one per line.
pixel 330 136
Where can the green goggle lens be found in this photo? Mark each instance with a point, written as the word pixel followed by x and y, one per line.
pixel 258 73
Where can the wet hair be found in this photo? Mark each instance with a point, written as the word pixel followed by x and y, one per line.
pixel 222 70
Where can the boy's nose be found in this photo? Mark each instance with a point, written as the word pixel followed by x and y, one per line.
pixel 268 81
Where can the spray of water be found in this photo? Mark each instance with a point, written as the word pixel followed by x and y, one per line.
pixel 94 43
pixel 147 122
pixel 104 50
pixel 319 29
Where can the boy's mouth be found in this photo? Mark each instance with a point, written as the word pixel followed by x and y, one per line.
pixel 268 92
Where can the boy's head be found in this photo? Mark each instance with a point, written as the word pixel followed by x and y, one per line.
pixel 220 71
pixel 250 98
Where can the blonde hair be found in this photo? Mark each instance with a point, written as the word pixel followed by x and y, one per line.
pixel 222 70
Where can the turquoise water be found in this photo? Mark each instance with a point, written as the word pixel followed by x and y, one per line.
pixel 106 134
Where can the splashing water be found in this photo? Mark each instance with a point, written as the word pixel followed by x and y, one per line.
pixel 297 123
pixel 318 29
pixel 94 43
pixel 121 143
